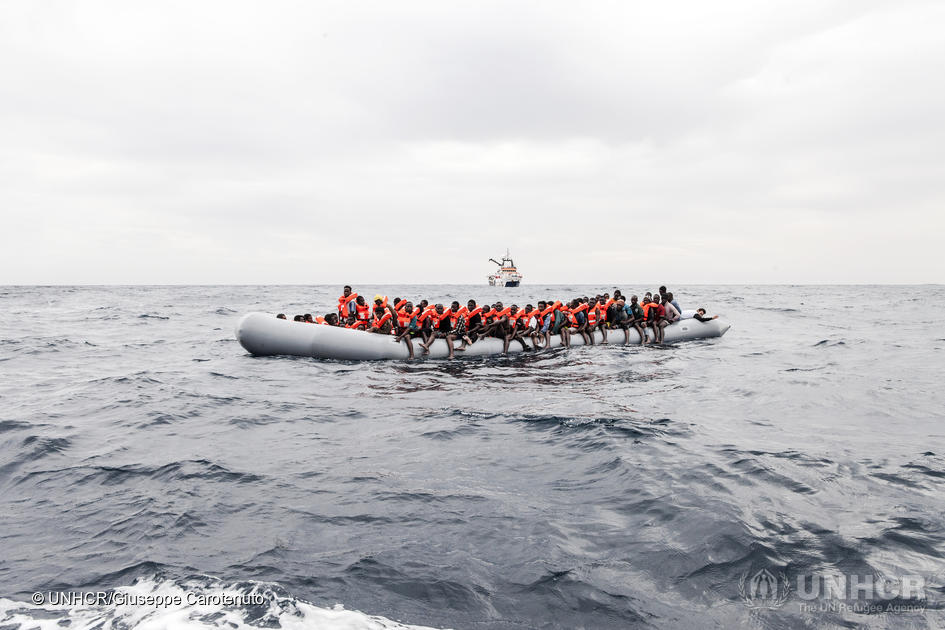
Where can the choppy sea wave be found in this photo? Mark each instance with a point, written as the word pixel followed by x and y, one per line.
pixel 142 451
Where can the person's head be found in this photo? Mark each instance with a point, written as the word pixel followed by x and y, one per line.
pixel 378 309
pixel 701 311
pixel 498 306
pixel 280 316
pixel 592 302
pixel 669 296
pixel 471 304
pixel 331 319
pixel 513 309
pixel 454 305
pixel 606 296
pixel 620 301
pixel 396 301
pixel 529 308
pixel 542 304
pixel 408 307
pixel 647 296
pixel 617 293
pixel 424 304
pixel 347 291
pixel 439 308
pixel 360 300
pixel 298 318
pixel 633 299
pixel 378 300
pixel 308 317
pixel 663 290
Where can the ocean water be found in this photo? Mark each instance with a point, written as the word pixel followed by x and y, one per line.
pixel 144 452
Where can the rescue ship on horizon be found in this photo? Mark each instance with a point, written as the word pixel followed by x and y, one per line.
pixel 506 275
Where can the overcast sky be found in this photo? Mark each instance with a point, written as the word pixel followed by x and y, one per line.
pixel 408 142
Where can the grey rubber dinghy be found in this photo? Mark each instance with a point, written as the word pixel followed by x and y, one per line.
pixel 263 334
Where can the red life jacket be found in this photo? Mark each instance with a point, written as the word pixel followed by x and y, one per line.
pixel 320 320
pixel 403 318
pixel 592 316
pixel 364 312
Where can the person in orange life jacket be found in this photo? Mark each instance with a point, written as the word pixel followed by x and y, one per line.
pixel 536 324
pixel 511 330
pixel 489 316
pixel 362 316
pixel 441 327
pixel 526 321
pixel 655 318
pixel 458 323
pixel 596 318
pixel 346 306
pixel 474 325
pixel 498 319
pixel 577 320
pixel 408 326
pixel 384 317
pixel 555 322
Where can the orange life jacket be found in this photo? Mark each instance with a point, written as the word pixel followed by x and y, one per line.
pixel 343 305
pixel 320 320
pixel 383 319
pixel 399 306
pixel 358 324
pixel 473 313
pixel 646 310
pixel 364 312
pixel 592 316
pixel 462 312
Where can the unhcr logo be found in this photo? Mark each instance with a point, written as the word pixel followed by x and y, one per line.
pixel 764 589
pixel 821 592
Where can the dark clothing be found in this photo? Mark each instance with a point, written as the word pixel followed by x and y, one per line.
pixel 701 318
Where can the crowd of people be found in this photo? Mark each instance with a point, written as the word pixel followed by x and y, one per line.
pixel 583 316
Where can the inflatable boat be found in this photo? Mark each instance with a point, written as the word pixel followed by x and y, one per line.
pixel 263 334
